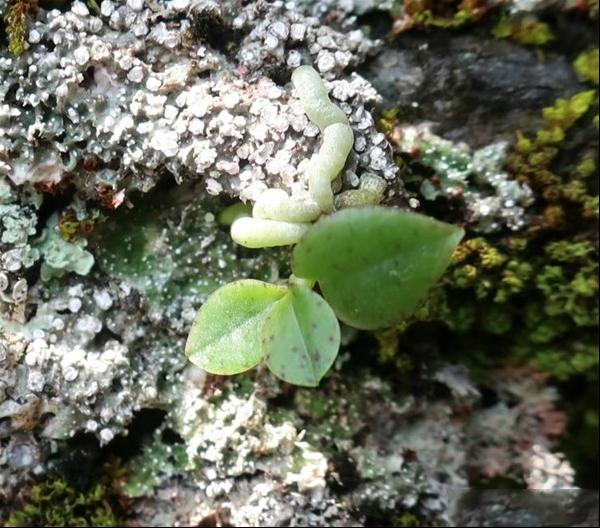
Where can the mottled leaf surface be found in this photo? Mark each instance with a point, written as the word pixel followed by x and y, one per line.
pixel 301 337
pixel 375 264
pixel 226 336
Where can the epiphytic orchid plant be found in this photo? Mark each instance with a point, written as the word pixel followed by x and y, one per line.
pixel 373 265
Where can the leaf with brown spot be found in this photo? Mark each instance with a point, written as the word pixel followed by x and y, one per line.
pixel 301 351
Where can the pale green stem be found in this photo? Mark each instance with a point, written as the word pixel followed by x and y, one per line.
pixel 325 165
pixel 309 283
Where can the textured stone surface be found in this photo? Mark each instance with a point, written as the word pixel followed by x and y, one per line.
pixel 476 89
pixel 124 133
pixel 138 92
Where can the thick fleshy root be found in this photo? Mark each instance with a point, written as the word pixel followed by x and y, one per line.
pixel 278 219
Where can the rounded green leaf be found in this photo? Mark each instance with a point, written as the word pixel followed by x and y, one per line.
pixel 375 264
pixel 301 337
pixel 226 336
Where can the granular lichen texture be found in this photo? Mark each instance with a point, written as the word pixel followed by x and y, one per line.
pixel 134 133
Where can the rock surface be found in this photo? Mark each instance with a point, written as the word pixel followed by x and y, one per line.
pixel 126 128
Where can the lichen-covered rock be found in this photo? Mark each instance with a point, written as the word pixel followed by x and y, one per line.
pixel 492 198
pixel 126 128
pixel 18 225
pixel 122 96
pixel 102 104
pixel 242 453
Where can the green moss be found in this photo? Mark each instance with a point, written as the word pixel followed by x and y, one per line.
pixel 574 252
pixel 586 66
pixel 543 301
pixel 586 168
pixel 526 30
pixel 541 292
pixel 390 350
pixel 55 503
pixel 533 159
pixel 432 13
pixel 565 112
pixel 496 320
pixel 459 18
pixel 531 297
pixel 71 227
pixel 16 23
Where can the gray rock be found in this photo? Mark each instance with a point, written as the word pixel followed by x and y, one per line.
pixel 478 89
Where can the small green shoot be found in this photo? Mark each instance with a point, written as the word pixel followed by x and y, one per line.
pixel 374 265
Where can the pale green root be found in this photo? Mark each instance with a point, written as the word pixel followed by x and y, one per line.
pixel 275 204
pixel 258 232
pixel 370 192
pixel 372 182
pixel 315 100
pixel 228 215
pixel 325 165
pixel 278 219
pixel 356 198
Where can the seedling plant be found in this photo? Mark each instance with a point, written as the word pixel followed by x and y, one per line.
pixel 373 265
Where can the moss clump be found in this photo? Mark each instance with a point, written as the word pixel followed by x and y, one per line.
pixel 524 30
pixel 540 290
pixel 390 350
pixel 586 66
pixel 71 227
pixel 56 503
pixel 542 299
pixel 531 297
pixel 16 24
pixel 431 13
pixel 533 159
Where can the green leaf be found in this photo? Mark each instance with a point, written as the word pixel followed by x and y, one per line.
pixel 375 264
pixel 226 336
pixel 301 337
